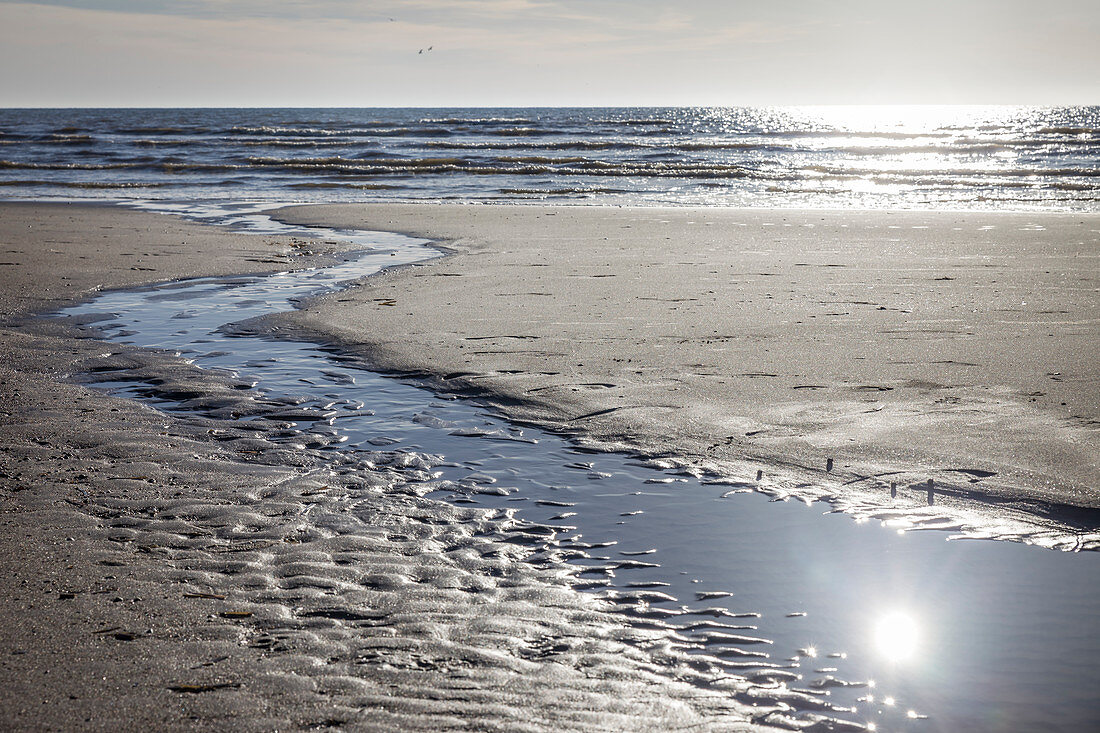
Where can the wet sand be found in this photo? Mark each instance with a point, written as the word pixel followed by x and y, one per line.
pixel 957 347
pixel 164 571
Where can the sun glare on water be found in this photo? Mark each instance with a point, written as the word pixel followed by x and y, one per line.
pixel 897 636
pixel 908 119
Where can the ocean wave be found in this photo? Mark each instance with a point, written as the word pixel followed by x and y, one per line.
pixel 953 182
pixel 1019 142
pixel 155 130
pixel 585 167
pixel 229 143
pixel 541 159
pixel 854 133
pixel 284 143
pixel 614 144
pixel 341 163
pixel 29 165
pixel 150 142
pixel 978 173
pixel 636 122
pixel 1069 130
pixel 48 139
pixel 582 190
pixel 798 146
pixel 170 166
pixel 413 132
pixel 874 151
pixel 523 132
pixel 82 184
pixel 557 145
pixel 817 190
pixel 387 131
pixel 66 139
pixel 661 155
pixel 475 121
pixel 955 147
pixel 343 184
pixel 38 138
pixel 277 130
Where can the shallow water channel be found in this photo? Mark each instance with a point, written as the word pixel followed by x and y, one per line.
pixel 893 630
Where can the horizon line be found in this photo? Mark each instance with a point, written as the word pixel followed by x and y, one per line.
pixel 554 106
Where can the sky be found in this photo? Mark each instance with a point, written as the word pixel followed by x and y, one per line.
pixel 437 53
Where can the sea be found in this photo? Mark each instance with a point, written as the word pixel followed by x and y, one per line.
pixel 920 157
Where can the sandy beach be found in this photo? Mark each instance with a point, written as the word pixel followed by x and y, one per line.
pixel 902 347
pixel 541 366
pixel 180 571
pixel 193 569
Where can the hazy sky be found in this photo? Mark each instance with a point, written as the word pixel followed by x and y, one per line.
pixel 547 52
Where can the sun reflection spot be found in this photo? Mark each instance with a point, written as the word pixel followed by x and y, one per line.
pixel 896 636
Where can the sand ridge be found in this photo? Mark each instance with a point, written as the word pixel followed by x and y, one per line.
pixel 960 347
pixel 167 571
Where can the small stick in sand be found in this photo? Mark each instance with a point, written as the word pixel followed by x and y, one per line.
pixel 759 474
pixel 931 492
pixel 893 489
pixel 828 465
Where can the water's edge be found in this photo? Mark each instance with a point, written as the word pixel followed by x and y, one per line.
pixel 958 507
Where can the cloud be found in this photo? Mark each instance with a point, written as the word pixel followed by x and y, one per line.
pixel 61 56
pixel 415 10
pixel 532 52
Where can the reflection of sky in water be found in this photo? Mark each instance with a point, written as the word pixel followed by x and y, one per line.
pixel 995 631
pixel 976 635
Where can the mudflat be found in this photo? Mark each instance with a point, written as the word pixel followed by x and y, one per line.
pixel 895 347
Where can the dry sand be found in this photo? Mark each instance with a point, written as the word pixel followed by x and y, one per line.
pixel 166 572
pixel 961 347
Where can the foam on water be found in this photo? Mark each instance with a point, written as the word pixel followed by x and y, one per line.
pixel 871 625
